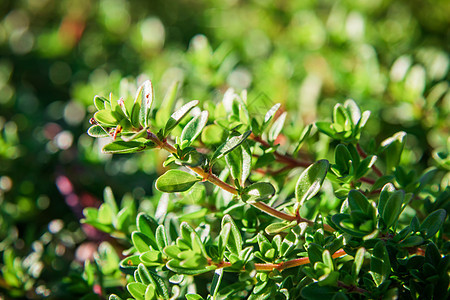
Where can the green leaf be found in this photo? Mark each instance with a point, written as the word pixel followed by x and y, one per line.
pixel 288 244
pixel 341 118
pixel 365 166
pixel 141 241
pixel 144 274
pixel 193 129
pixel 239 162
pixel 192 159
pixel 342 158
pixel 305 133
pixel 151 279
pixel 172 251
pixel 235 240
pixel 387 190
pixel 140 134
pixel 327 260
pixel 269 115
pixel 358 262
pixel 175 266
pixel 175 181
pixel 276 128
pixel 358 202
pixel 100 101
pixel 129 264
pixel 415 224
pixel 231 144
pixel 215 284
pixel 354 111
pixel 105 214
pixel 137 290
pixel 364 118
pixel 393 148
pixel 432 254
pixel 314 291
pixel 431 225
pixel 146 224
pixel 196 215
pixel 195 195
pixel 193 297
pixel 114 297
pixel 90 213
pixel 380 182
pixel 161 237
pixel 314 253
pixel 344 223
pixel 328 279
pixel 122 147
pixel 135 114
pixel 325 127
pixel 380 266
pixel 150 293
pixel 151 258
pixel 97 131
pixel 310 181
pixel 340 296
pixel 106 118
pixel 145 95
pixel 393 208
pixel 185 230
pixel 259 191
pixel 411 241
pixel 223 239
pixel 213 135
pixel 178 115
pixel 278 227
pixel 109 199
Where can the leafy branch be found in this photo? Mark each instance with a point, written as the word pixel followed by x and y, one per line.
pixel 333 228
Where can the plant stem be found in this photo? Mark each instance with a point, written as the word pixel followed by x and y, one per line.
pixel 225 186
pixel 284 265
pixel 367 180
pixel 272 211
pixel 363 154
pixel 352 288
pixel 282 158
pixel 205 175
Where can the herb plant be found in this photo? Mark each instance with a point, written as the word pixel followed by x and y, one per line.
pixel 245 210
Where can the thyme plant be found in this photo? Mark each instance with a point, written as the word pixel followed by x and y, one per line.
pixel 247 211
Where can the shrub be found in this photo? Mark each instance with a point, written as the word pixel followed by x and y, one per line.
pixel 251 205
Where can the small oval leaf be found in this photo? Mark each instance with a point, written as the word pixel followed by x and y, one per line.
pixel 310 181
pixel 176 117
pixel 259 191
pixel 195 126
pixel 431 225
pixel 231 144
pixel 122 147
pixel 97 131
pixel 175 181
pixel 106 117
pixel 145 97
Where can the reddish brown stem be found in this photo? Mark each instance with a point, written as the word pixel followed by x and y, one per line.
pixel 367 180
pixel 283 265
pixel 282 158
pixel 352 288
pixel 218 182
pixel 363 154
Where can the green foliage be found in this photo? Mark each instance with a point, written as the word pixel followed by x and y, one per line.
pixel 275 186
pixel 370 243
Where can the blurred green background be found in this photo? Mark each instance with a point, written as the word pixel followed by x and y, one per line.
pixel 56 55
